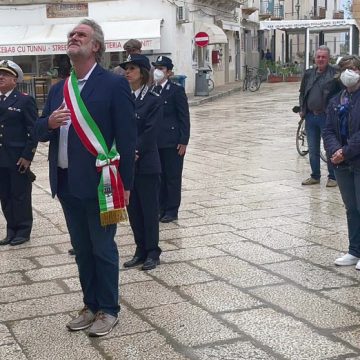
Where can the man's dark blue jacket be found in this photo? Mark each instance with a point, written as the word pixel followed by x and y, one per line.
pixel 108 99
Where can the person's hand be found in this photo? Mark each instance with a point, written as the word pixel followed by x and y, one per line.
pixel 23 165
pixel 59 117
pixel 181 149
pixel 126 197
pixel 337 157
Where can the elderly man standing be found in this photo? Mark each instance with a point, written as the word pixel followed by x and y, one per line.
pixel 89 120
pixel 18 114
pixel 317 86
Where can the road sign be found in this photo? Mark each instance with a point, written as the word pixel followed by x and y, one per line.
pixel 201 39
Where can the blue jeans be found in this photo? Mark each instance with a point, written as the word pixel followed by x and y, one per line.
pixel 314 125
pixel 96 252
pixel 348 179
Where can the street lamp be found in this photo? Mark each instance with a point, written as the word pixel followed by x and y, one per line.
pixel 297 8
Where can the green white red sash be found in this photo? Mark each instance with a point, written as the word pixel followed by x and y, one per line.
pixel 110 189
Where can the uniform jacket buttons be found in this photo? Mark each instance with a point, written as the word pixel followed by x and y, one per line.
pixel 173 127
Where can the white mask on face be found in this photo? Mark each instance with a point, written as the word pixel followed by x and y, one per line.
pixel 349 78
pixel 158 75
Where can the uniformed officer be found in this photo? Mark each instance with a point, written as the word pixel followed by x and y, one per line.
pixel 18 113
pixel 143 208
pixel 173 137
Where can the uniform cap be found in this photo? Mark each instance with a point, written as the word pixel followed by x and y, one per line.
pixel 140 60
pixel 12 68
pixel 164 61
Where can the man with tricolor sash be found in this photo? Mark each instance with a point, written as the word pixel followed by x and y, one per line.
pixel 89 121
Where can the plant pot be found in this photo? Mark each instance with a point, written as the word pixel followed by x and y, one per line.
pixel 275 78
pixel 292 78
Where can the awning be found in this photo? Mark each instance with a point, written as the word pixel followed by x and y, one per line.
pixel 216 34
pixel 230 25
pixel 51 39
pixel 326 24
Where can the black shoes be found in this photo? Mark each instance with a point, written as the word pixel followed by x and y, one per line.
pixel 150 264
pixel 135 261
pixel 18 241
pixel 5 241
pixel 168 218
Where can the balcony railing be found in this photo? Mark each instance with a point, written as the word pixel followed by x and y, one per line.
pixel 270 9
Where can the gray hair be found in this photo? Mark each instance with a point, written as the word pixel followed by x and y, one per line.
pixel 323 48
pixel 98 37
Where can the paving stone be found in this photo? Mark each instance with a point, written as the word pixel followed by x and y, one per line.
pixel 40 306
pixel 272 238
pixel 54 272
pixel 346 295
pixel 309 276
pixel 52 340
pixel 236 351
pixel 237 272
pixel 5 336
pixel 145 346
pixel 10 279
pixel 320 312
pixel 180 274
pixel 193 231
pixel 13 252
pixel 23 292
pixel 13 264
pixel 190 254
pixel 217 296
pixel 229 209
pixel 207 240
pixel 252 252
pixel 305 231
pixel 156 295
pixel 73 284
pixel 316 254
pixel 285 335
pixel 180 320
pixel 350 336
pixel 58 259
pixel 133 275
pixel 12 352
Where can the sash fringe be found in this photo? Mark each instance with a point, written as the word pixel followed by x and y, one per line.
pixel 113 217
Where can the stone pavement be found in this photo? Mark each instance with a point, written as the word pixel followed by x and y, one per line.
pixel 247 272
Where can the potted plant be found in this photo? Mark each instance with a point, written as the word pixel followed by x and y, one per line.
pixel 275 73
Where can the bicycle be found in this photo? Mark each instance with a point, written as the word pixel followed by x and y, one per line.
pixel 301 139
pixel 252 80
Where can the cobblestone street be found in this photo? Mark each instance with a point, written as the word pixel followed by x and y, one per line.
pixel 247 271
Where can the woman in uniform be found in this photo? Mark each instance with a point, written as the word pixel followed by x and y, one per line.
pixel 143 208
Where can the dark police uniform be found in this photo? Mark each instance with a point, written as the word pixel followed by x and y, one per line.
pixel 143 208
pixel 174 129
pixel 18 114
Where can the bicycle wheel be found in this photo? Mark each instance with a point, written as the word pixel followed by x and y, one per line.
pixel 255 83
pixel 323 155
pixel 301 140
pixel 210 84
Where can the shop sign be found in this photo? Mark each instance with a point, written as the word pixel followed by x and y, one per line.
pixel 61 10
pixel 60 48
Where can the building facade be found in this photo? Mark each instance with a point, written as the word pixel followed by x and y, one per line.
pixel 33 31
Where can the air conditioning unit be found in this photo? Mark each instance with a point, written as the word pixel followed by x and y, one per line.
pixel 182 14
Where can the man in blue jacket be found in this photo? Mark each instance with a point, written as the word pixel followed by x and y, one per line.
pixel 94 99
pixel 174 133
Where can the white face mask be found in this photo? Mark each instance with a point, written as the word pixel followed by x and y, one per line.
pixel 158 75
pixel 349 78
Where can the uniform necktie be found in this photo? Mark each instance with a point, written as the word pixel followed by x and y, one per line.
pixel 157 89
pixel 2 98
pixel 133 96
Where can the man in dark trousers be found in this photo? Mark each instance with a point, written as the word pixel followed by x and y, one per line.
pixel 18 114
pixel 174 133
pixel 90 123
pixel 317 87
